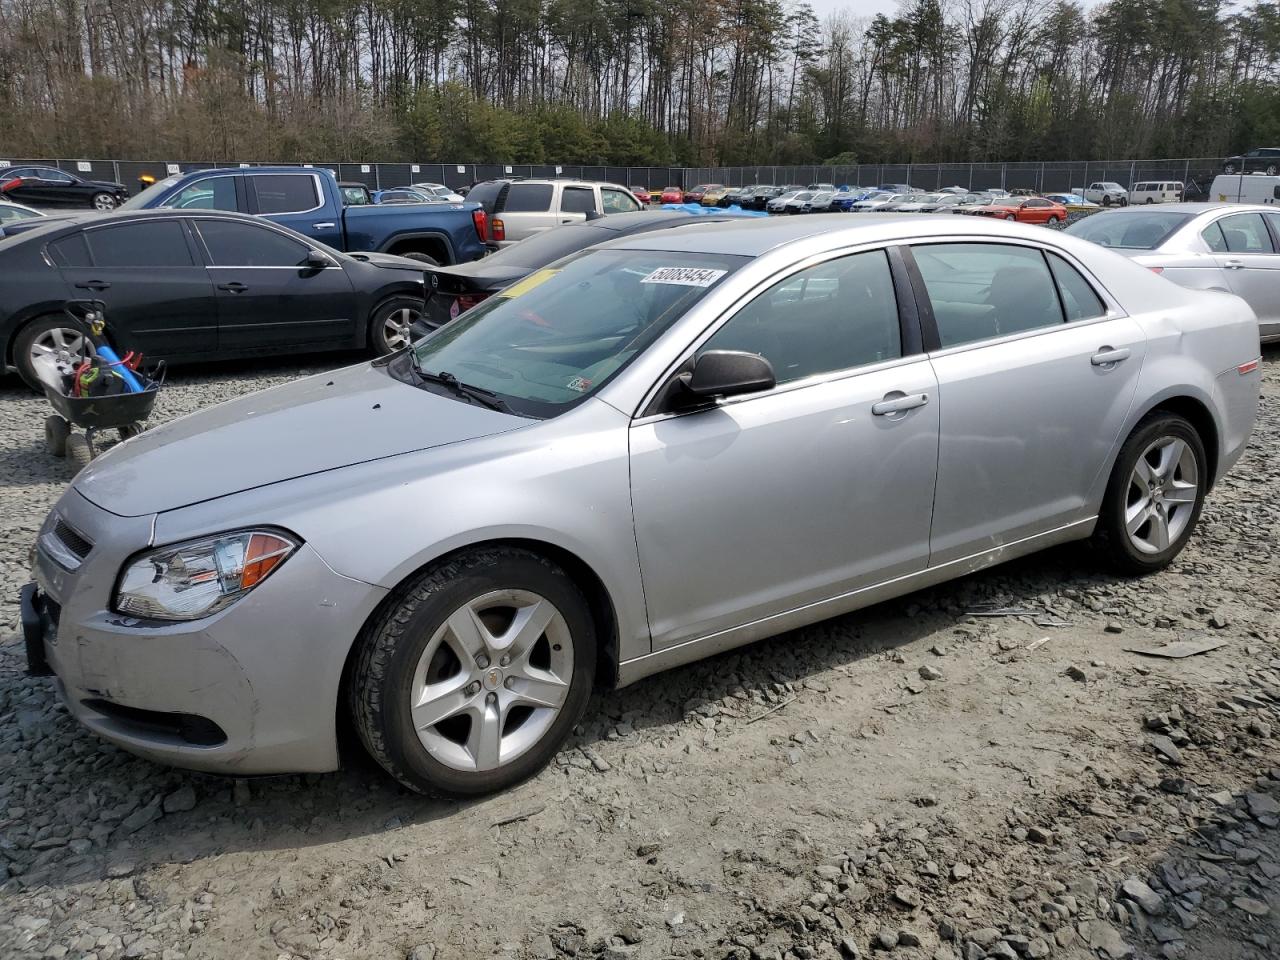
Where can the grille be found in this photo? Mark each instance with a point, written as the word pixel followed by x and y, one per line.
pixel 71 540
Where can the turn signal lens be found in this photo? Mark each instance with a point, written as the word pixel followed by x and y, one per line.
pixel 1156 269
pixel 187 581
pixel 1249 367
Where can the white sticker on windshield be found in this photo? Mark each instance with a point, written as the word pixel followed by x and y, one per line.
pixel 685 276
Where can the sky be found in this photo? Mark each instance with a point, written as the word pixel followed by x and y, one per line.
pixel 869 8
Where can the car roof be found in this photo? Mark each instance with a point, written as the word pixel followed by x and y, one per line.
pixel 60 222
pixel 1191 207
pixel 753 237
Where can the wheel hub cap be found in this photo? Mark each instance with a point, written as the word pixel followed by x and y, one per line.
pixel 1164 489
pixel 491 680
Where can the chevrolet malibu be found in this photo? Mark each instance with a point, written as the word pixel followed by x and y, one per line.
pixel 653 451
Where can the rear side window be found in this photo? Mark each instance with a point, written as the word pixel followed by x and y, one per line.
pixel 71 251
pixel 1079 300
pixel 286 193
pixel 486 194
pixel 528 198
pixel 158 243
pixel 985 290
pixel 233 244
pixel 1246 233
pixel 578 200
pixel 215 193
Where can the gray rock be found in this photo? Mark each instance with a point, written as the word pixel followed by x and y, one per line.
pixel 141 817
pixel 181 800
pixel 1166 748
pixel 930 673
pixel 985 937
pixel 907 895
pixel 961 871
pixel 1105 939
pixel 423 951
pixel 886 939
pixel 1262 804
pixel 1140 893
pixel 1255 908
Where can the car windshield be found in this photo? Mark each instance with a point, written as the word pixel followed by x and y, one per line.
pixel 1140 230
pixel 554 338
pixel 143 199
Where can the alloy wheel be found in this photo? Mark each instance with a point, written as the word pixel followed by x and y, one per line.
pixel 492 680
pixel 1164 488
pixel 397 327
pixel 104 201
pixel 64 344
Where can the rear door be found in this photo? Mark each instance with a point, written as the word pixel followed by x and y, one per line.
pixel 576 202
pixel 297 201
pixel 267 296
pixel 158 297
pixel 1034 385
pixel 1246 251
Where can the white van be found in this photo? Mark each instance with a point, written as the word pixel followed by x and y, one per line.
pixel 1156 191
pixel 1244 188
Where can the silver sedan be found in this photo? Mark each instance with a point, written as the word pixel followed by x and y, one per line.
pixel 651 452
pixel 1206 246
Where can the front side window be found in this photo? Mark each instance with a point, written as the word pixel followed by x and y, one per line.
pixel 615 201
pixel 286 192
pixel 233 244
pixel 832 316
pixel 983 290
pixel 1245 233
pixel 554 338
pixel 153 244
pixel 215 193
pixel 578 200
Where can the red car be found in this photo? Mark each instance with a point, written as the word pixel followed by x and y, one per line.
pixel 673 195
pixel 1024 210
pixel 697 193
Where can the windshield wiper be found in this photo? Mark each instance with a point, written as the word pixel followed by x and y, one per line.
pixel 446 379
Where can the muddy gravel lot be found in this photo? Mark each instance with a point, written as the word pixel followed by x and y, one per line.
pixel 985 769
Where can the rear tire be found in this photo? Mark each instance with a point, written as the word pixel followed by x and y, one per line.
pixel 49 334
pixel 1271 169
pixel 1155 495
pixel 78 452
pixel 1228 168
pixel 1053 220
pixel 429 260
pixel 488 653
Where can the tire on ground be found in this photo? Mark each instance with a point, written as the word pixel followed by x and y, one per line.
pixel 382 674
pixel 26 337
pixel 379 340
pixel 1110 534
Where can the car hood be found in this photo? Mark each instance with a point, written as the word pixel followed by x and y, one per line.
pixel 309 426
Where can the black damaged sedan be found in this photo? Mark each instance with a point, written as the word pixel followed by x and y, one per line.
pixel 198 285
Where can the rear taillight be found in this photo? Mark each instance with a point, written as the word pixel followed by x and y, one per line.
pixel 479 218
pixel 497 230
pixel 1156 269
pixel 468 300
pixel 1249 367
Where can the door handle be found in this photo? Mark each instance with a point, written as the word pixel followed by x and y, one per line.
pixel 1233 264
pixel 94 285
pixel 322 226
pixel 1106 356
pixel 891 405
pixel 234 286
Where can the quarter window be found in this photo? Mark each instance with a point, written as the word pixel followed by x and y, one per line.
pixel 984 290
pixel 1246 233
pixel 156 244
pixel 71 251
pixel 832 316
pixel 1212 235
pixel 286 193
pixel 233 244
pixel 1079 301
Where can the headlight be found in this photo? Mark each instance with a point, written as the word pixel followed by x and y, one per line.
pixel 187 581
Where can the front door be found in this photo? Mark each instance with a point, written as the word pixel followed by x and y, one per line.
pixel 158 298
pixel 815 488
pixel 1035 389
pixel 1245 250
pixel 268 297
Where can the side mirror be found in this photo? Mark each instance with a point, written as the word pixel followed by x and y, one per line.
pixel 727 373
pixel 315 260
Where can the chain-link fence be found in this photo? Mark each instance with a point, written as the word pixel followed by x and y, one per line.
pixel 1048 176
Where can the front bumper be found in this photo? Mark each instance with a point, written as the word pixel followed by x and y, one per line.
pixel 252 689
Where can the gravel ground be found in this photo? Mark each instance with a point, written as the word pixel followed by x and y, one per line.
pixel 919 780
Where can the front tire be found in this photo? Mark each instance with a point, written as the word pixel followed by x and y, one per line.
pixel 1155 495
pixel 474 675
pixel 391 325
pixel 103 201
pixel 1228 168
pixel 1106 201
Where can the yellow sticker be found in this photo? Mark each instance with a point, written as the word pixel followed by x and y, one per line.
pixel 521 287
